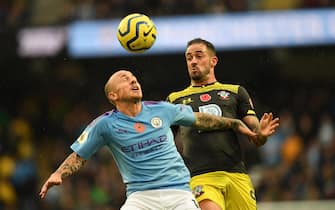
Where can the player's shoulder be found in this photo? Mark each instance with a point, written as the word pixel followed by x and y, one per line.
pixel 227 87
pixel 101 119
pixel 239 90
pixel 155 103
pixel 234 88
pixel 179 93
pixel 157 107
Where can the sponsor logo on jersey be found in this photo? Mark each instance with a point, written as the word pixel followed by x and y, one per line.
pixel 197 191
pixel 145 146
pixel 213 109
pixel 156 122
pixel 139 127
pixel 83 137
pixel 205 97
pixel 224 95
pixel 121 131
pixel 187 101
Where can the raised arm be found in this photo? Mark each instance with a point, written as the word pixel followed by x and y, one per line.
pixel 264 128
pixel 211 122
pixel 70 165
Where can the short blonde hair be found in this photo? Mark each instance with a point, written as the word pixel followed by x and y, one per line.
pixel 108 89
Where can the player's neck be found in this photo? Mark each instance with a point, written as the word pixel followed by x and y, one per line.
pixel 130 108
pixel 203 83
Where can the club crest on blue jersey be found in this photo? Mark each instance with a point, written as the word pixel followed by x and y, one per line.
pixel 224 95
pixel 156 122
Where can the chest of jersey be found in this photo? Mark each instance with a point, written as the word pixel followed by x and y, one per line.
pixel 138 137
pixel 216 102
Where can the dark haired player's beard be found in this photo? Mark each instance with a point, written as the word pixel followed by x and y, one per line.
pixel 199 76
pixel 196 77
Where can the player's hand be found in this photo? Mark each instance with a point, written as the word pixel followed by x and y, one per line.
pixel 267 127
pixel 242 128
pixel 54 179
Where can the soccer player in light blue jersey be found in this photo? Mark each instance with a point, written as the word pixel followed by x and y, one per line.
pixel 139 137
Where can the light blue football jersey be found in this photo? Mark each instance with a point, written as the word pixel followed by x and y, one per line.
pixel 142 146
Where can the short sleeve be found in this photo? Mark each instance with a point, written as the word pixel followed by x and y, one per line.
pixel 90 140
pixel 184 115
pixel 245 105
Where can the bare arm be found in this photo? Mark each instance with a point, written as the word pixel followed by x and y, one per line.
pixel 69 166
pixel 264 128
pixel 211 122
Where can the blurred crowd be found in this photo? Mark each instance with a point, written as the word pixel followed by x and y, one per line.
pixel 37 125
pixel 18 13
pixel 298 162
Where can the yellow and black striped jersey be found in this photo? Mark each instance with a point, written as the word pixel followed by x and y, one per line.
pixel 213 150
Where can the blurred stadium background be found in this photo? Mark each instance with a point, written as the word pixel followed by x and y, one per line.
pixel 56 56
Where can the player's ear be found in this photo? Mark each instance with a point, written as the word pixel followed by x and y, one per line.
pixel 112 96
pixel 214 60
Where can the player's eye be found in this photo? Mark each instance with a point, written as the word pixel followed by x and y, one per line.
pixel 125 78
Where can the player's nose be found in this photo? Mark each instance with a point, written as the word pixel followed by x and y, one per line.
pixel 133 80
pixel 194 61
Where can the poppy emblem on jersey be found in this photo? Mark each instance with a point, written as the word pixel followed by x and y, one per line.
pixel 139 127
pixel 156 122
pixel 224 95
pixel 83 137
pixel 197 191
pixel 205 97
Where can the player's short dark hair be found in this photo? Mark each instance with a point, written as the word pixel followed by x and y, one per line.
pixel 208 44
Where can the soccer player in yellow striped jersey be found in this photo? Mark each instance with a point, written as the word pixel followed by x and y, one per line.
pixel 214 158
